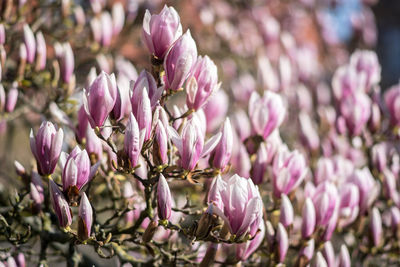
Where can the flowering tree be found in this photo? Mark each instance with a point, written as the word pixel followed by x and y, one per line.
pixel 169 167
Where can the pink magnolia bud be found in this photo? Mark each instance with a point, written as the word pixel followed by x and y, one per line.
pixel 2 34
pixel 77 170
pixel 95 26
pixel 30 44
pixel 242 205
pixel 23 54
pixel 106 29
pixel 203 81
pixel 356 111
pixel 12 98
pixel 260 164
pixel 245 250
pixel 319 261
pixel 97 5
pixel 324 171
pixel 214 196
pixel 309 219
pixel 283 242
pixel 164 199
pixel 379 156
pixel 19 168
pixel 122 103
pixel 145 81
pixel 215 110
pixel 368 187
pixel 366 63
pixel 349 200
pixel 60 205
pixel 161 31
pixel 133 141
pixel 267 76
pixel 389 185
pixel 345 82
pixel 36 191
pixel 223 151
pixel 94 146
pixel 79 15
pixel 100 99
pixel 329 254
pixel 289 169
pixel 160 144
pixel 394 219
pixel 287 213
pixel 309 134
pixel 392 101
pixel 46 147
pixel 344 257
pixel 179 61
pixel 331 226
pixel 376 118
pixel 243 87
pixel 20 259
pixel 376 227
pixel 118 17
pixel 307 251
pixel 2 98
pixel 241 161
pixel 190 143
pixel 82 124
pixel 85 218
pixel 41 51
pixel 266 113
pixel 67 62
pixel 325 200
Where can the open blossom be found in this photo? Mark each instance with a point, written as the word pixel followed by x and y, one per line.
pixel 179 61
pixel 266 113
pixel 202 82
pixel 46 147
pixel 241 204
pixel 289 169
pixel 161 31
pixel 100 98
pixel 190 143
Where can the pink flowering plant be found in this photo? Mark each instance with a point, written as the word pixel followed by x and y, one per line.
pixel 201 133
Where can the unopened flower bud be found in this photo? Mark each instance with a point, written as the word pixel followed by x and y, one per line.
pixel 85 218
pixel 30 43
pixel 60 205
pixel 149 232
pixel 46 147
pixel 287 214
pixel 283 242
pixel 164 199
pixel 376 227
pixel 344 257
pixel 12 98
pixel 309 219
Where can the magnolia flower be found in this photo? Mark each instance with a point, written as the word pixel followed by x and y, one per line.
pixel 46 147
pixel 239 203
pixel 266 113
pixel 190 143
pixel 161 31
